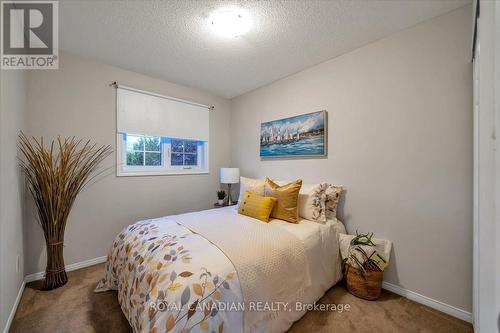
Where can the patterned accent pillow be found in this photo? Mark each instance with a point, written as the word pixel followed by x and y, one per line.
pixel 312 202
pixel 332 193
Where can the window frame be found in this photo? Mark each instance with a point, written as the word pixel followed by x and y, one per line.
pixel 165 169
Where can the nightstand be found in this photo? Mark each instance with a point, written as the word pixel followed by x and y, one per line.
pixel 216 205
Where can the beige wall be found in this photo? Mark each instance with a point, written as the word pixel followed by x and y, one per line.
pixel 400 141
pixel 13 106
pixel 77 101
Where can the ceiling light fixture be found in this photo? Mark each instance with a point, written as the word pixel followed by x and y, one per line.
pixel 229 22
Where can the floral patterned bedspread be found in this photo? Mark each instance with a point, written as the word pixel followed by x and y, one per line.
pixel 172 280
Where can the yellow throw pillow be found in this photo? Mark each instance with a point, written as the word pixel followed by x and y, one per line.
pixel 256 206
pixel 286 207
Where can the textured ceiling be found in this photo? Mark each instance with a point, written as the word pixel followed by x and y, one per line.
pixel 171 39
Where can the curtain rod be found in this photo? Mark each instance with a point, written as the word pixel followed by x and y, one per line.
pixel 116 85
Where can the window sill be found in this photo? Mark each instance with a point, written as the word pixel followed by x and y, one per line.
pixel 159 173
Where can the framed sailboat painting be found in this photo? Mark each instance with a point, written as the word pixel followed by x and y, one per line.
pixel 299 136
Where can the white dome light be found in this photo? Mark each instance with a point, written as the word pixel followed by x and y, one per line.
pixel 229 23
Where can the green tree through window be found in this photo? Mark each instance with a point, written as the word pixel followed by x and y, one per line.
pixel 143 150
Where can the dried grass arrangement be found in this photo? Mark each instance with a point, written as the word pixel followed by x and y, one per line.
pixel 55 175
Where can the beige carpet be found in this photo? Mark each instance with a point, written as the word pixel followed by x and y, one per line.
pixel 75 308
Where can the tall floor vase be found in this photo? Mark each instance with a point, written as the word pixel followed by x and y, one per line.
pixel 55 175
pixel 55 272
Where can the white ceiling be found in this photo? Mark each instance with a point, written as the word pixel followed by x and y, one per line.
pixel 171 39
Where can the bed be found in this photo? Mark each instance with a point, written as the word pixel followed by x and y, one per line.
pixel 219 271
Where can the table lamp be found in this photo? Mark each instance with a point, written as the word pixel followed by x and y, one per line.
pixel 229 176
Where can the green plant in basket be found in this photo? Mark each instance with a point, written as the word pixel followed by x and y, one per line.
pixel 357 256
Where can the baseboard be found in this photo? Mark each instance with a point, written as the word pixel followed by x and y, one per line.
pixel 14 308
pixel 69 268
pixel 432 303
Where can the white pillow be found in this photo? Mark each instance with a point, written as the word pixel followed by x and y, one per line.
pixel 251 185
pixel 312 200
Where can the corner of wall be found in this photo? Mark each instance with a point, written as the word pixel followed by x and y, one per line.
pixel 13 111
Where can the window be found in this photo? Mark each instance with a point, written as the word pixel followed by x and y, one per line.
pixel 143 150
pixel 160 136
pixel 184 152
pixel 150 155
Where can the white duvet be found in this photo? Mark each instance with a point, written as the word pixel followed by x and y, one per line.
pixel 195 263
pixel 323 262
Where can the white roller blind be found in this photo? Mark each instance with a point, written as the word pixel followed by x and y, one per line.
pixel 143 113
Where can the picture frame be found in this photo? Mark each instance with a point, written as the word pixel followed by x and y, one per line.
pixel 301 136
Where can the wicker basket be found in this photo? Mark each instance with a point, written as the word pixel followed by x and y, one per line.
pixel 367 286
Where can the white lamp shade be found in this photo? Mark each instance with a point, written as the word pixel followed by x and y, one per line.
pixel 229 175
